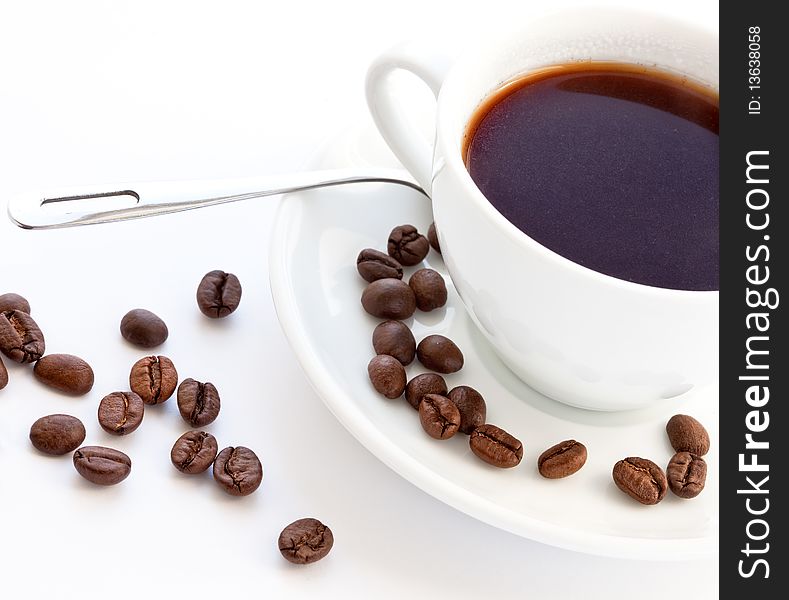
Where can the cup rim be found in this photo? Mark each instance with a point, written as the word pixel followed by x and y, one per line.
pixel 454 160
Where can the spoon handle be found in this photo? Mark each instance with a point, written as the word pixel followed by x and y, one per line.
pixel 120 202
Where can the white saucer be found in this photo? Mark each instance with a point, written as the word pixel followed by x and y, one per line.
pixel 316 290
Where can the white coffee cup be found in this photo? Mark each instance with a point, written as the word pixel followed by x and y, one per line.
pixel 574 334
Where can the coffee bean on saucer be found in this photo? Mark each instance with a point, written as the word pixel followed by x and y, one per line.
pixel 429 289
pixel 495 446
pixel 562 459
pixel 426 383
pixel 65 373
pixel 11 301
pixel 120 413
pixel 686 434
pixel 143 328
pixel 21 339
pixel 238 471
pixel 218 294
pixel 153 379
pixel 439 416
pixel 471 405
pixel 194 452
pixel 641 479
pixel 387 375
pixel 433 238
pixel 686 474
pixel 198 402
pixel 374 264
pixel 407 246
pixel 395 339
pixel 439 353
pixel 3 375
pixel 305 541
pixel 389 299
pixel 57 434
pixel 102 466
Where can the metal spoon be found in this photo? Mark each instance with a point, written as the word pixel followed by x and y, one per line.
pixel 160 198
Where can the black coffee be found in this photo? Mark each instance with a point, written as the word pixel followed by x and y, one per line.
pixel 613 166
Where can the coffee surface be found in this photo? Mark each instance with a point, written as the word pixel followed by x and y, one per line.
pixel 612 166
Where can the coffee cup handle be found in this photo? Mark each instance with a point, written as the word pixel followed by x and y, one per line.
pixel 383 98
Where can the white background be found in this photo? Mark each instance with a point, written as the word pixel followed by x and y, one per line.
pixel 97 92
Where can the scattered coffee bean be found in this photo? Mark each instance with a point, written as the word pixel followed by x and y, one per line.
pixel 495 446
pixel 439 353
pixel 429 289
pixel 305 541
pixel 561 460
pixel 426 383
pixel 432 237
pixel 102 466
pixel 194 452
pixel 238 471
pixel 407 246
pixel 686 434
pixel 686 474
pixel 3 375
pixel 395 339
pixel 218 294
pixel 374 264
pixel 120 413
pixel 11 301
pixel 389 299
pixel 471 405
pixel 57 434
pixel 439 416
pixel 198 402
pixel 65 372
pixel 21 339
pixel 143 328
pixel 153 379
pixel 387 375
pixel 641 479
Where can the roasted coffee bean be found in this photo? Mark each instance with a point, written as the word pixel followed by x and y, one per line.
pixel 495 446
pixel 65 372
pixel 194 452
pixel 218 294
pixel 429 288
pixel 387 375
pixel 121 413
pixel 407 246
pixel 198 402
pixel 102 466
pixel 238 471
pixel 641 479
pixel 3 375
pixel 439 353
pixel 374 264
pixel 561 460
pixel 426 383
pixel 389 299
pixel 143 328
pixel 11 301
pixel 21 339
pixel 395 339
pixel 153 379
pixel 686 474
pixel 57 434
pixel 471 405
pixel 433 238
pixel 305 541
pixel 439 416
pixel 686 434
